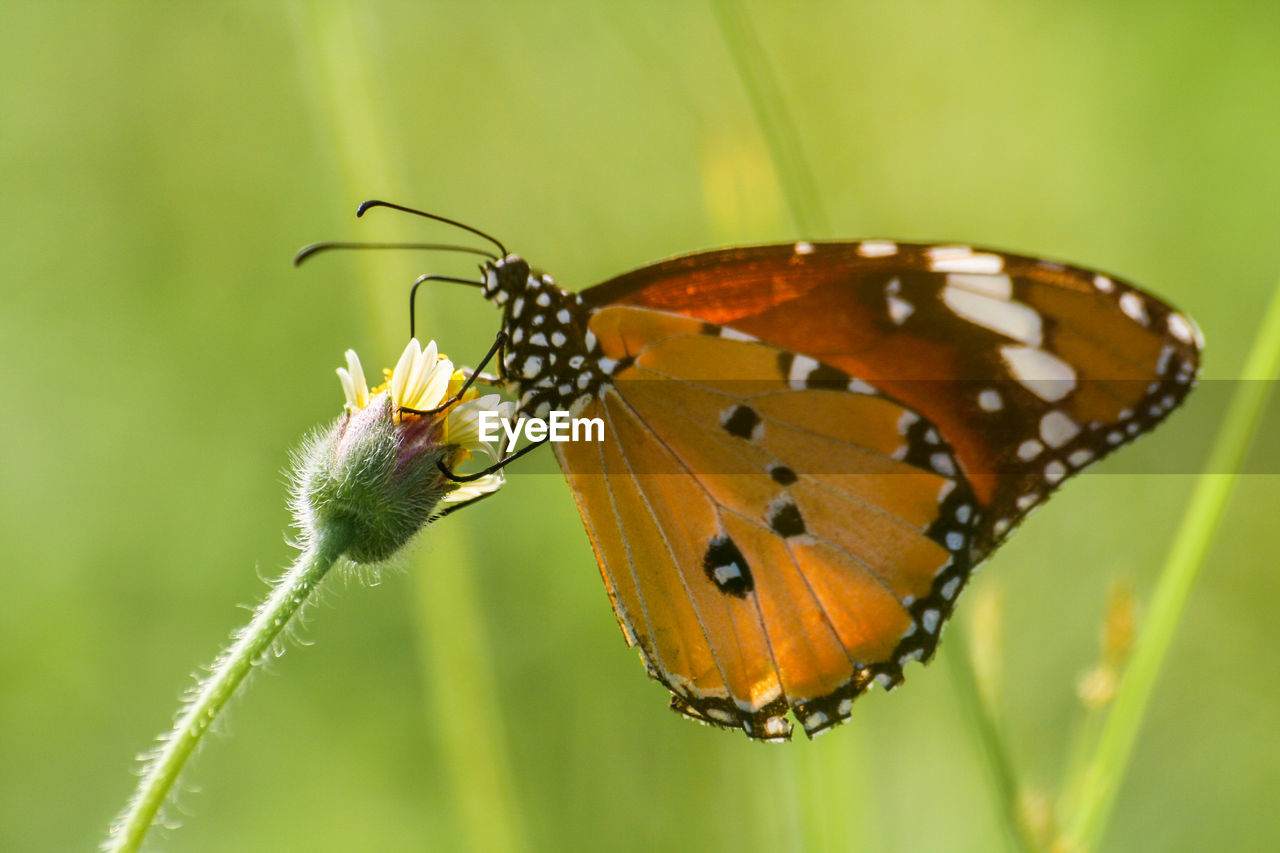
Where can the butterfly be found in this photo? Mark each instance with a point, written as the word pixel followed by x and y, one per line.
pixel 809 446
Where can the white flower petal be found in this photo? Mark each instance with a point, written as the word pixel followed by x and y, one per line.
pixel 462 428
pixel 404 367
pixel 413 383
pixel 475 489
pixel 358 383
pixel 348 389
pixel 435 385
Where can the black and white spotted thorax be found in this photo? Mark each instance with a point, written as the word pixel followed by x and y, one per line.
pixel 551 360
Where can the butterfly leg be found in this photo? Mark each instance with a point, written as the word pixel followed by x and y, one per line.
pixel 422 279
pixel 484 378
pixel 476 373
pixel 495 467
pixel 455 507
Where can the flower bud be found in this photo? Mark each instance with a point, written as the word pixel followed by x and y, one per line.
pixel 376 471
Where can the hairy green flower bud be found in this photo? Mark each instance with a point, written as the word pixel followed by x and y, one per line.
pixel 376 471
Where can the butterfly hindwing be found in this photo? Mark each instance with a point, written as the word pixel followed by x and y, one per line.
pixel 809 546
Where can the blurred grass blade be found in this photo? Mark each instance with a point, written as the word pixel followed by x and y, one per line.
pixel 1004 780
pixel 1100 782
pixel 776 126
pixel 463 705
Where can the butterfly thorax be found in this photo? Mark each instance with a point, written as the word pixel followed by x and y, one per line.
pixel 547 359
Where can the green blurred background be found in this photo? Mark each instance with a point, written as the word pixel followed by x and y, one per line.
pixel 159 163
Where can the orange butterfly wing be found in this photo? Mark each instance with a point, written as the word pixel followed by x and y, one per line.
pixel 809 446
pixel 1030 368
pixel 765 547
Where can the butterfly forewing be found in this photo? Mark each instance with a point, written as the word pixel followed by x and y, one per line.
pixel 1031 369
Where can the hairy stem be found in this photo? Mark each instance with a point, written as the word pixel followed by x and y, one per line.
pixel 230 669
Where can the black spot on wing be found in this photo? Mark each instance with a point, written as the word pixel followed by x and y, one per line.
pixel 828 378
pixel 727 568
pixel 740 421
pixel 784 518
pixel 782 475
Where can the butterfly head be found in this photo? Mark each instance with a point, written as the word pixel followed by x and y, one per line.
pixel 505 279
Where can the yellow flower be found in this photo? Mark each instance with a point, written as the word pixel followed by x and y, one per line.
pixel 377 471
pixel 422 380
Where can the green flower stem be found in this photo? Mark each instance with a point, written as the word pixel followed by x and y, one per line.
pixel 1088 814
pixel 230 669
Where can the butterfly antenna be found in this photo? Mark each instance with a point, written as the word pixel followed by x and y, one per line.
pixel 315 248
pixel 376 203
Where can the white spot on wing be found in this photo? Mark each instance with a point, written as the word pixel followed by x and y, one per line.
pixel 1012 319
pixel 1133 307
pixel 1103 283
pixel 1029 450
pixel 1080 458
pixel 1180 327
pixel 1057 428
pixel 994 286
pixel 804 248
pixel 1039 371
pixel 724 574
pixel 732 334
pixel 989 400
pixel 877 248
pixel 801 367
pixel 900 309
pixel 962 259
pixel 857 386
